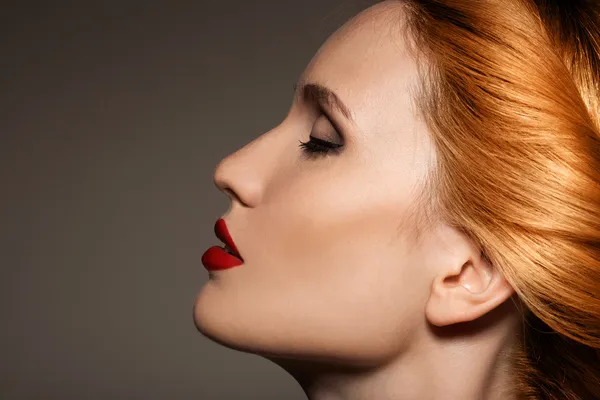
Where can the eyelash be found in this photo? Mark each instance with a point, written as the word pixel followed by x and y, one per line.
pixel 315 147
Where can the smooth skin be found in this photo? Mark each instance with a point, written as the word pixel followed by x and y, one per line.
pixel 334 288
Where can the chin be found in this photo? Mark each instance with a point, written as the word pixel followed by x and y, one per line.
pixel 210 318
pixel 219 321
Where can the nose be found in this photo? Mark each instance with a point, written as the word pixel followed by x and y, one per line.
pixel 242 174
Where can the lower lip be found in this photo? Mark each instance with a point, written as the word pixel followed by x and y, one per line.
pixel 216 258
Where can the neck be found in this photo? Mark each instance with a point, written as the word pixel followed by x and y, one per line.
pixel 466 361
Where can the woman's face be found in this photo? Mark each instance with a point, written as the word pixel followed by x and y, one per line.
pixel 329 271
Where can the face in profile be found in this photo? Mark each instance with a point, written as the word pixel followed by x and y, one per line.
pixel 330 269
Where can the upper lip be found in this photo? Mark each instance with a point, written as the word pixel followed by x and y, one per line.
pixel 224 236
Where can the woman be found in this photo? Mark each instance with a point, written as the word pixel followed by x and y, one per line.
pixel 437 233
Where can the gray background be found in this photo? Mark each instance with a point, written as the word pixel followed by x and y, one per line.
pixel 113 118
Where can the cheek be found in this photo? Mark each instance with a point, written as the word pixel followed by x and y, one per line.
pixel 366 290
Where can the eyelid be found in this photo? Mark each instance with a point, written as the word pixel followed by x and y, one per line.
pixel 331 121
pixel 321 108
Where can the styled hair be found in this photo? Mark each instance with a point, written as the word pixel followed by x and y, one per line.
pixel 510 92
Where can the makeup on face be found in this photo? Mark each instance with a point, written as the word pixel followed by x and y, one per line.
pixel 222 257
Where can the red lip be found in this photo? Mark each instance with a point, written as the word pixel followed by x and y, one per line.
pixel 216 258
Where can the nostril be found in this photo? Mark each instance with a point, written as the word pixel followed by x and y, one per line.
pixel 229 193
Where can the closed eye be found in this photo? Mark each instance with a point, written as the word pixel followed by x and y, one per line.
pixel 316 146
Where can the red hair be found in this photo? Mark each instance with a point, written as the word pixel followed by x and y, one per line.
pixel 510 91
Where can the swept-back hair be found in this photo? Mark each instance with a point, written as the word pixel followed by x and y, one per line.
pixel 510 91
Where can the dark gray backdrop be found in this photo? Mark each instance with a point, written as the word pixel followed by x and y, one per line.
pixel 113 118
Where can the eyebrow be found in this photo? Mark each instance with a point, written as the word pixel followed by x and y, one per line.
pixel 316 93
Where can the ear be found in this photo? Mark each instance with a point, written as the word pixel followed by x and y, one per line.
pixel 466 287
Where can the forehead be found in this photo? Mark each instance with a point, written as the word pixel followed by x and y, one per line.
pixel 367 64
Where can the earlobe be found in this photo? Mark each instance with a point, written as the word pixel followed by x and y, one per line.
pixel 468 294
